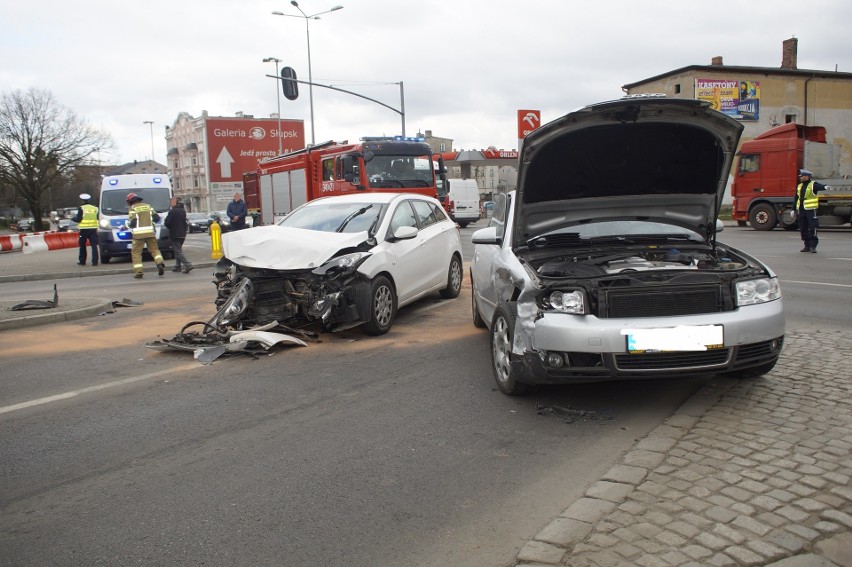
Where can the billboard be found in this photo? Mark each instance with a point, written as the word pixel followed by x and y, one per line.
pixel 737 99
pixel 528 120
pixel 235 145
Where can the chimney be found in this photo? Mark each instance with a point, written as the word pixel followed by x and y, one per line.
pixel 716 61
pixel 790 53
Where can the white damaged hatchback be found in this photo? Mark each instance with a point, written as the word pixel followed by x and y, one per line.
pixel 604 264
pixel 339 262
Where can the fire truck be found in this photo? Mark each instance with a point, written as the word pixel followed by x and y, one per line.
pixel 764 186
pixel 391 164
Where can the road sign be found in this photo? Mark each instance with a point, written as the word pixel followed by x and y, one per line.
pixel 235 145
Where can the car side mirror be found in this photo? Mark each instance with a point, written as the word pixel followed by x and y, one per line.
pixel 405 233
pixel 487 235
pixel 720 226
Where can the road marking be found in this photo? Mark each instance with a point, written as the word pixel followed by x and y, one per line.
pixel 818 283
pixel 73 393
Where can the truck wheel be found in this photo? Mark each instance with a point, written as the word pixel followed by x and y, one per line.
pixel 454 279
pixel 502 334
pixel 763 217
pixel 382 307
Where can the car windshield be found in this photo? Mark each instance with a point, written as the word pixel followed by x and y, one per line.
pixel 196 216
pixel 619 231
pixel 115 202
pixel 400 171
pixel 336 217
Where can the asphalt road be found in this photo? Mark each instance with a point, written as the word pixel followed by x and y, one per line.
pixel 393 450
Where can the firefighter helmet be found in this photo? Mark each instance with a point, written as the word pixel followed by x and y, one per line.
pixel 133 197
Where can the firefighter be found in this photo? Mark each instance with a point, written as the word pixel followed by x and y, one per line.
pixel 87 221
pixel 141 219
pixel 807 204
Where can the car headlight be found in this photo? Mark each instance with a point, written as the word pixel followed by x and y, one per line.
pixel 104 223
pixel 565 302
pixel 752 292
pixel 235 305
pixel 343 264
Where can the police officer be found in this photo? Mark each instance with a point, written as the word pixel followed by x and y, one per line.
pixel 807 203
pixel 141 219
pixel 87 221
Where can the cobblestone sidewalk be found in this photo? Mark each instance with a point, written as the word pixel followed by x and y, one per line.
pixel 753 472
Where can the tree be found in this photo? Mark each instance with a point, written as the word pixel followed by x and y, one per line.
pixel 41 143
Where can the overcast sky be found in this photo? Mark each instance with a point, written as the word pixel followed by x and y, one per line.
pixel 467 66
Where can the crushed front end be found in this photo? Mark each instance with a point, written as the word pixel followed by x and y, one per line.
pixel 334 295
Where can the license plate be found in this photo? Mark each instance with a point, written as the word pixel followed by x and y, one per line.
pixel 683 338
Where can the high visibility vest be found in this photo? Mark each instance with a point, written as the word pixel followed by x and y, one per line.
pixel 90 217
pixel 144 215
pixel 811 200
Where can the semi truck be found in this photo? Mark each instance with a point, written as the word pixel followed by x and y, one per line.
pixel 388 164
pixel 765 180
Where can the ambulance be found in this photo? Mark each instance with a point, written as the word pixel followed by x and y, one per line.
pixel 114 238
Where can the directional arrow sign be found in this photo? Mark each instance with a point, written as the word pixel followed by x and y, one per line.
pixel 225 160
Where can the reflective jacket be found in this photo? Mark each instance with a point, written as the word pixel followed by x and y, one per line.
pixel 141 219
pixel 89 218
pixel 811 200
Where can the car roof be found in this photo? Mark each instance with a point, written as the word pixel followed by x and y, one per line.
pixel 369 197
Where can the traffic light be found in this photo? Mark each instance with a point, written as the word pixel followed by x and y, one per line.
pixel 289 84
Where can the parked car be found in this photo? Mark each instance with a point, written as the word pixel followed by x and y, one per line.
pixel 26 225
pixel 339 262
pixel 198 222
pixel 222 218
pixel 66 225
pixel 604 263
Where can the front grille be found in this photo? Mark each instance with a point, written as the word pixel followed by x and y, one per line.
pixel 660 302
pixel 672 360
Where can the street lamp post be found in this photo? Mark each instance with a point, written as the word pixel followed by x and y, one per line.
pixel 152 137
pixel 278 95
pixel 308 19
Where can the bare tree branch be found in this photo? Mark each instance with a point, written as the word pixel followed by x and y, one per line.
pixel 41 143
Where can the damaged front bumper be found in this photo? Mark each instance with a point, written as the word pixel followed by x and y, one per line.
pixel 335 297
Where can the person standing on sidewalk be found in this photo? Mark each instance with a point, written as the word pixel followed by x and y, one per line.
pixel 87 221
pixel 176 223
pixel 807 204
pixel 141 219
pixel 237 212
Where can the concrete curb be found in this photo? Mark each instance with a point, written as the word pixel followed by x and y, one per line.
pixel 89 273
pixel 88 307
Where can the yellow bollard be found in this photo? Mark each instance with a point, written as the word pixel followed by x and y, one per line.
pixel 215 240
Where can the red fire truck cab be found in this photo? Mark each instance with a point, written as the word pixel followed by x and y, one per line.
pixel 397 164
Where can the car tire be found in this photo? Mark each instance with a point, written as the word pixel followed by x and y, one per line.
pixel 382 307
pixel 751 372
pixel 478 321
pixel 502 335
pixel 105 259
pixel 455 274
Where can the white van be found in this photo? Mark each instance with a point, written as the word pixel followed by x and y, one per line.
pixel 462 202
pixel 155 190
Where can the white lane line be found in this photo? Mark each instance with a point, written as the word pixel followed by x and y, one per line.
pixel 73 393
pixel 818 283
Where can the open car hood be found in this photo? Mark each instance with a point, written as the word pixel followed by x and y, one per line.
pixel 282 248
pixel 637 158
